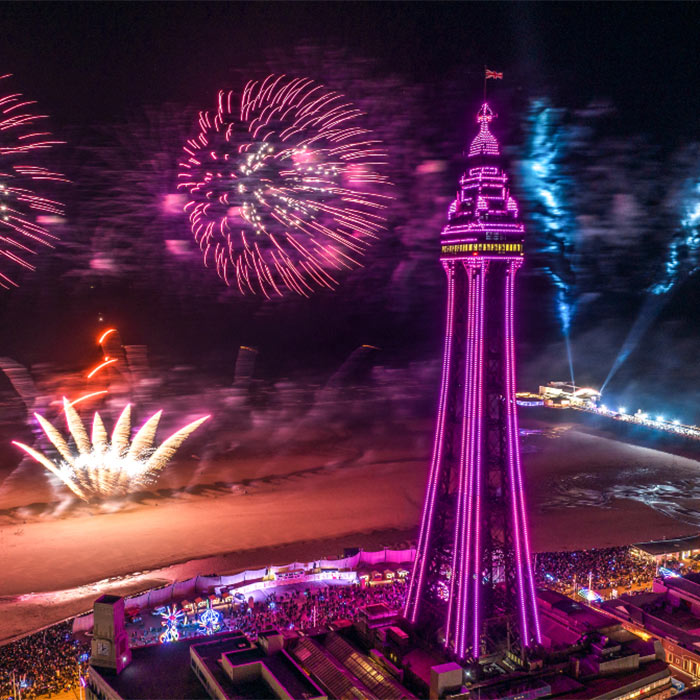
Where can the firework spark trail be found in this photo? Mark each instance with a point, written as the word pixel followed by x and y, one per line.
pixel 285 188
pixel 545 185
pixel 682 260
pixel 98 469
pixel 684 249
pixel 22 209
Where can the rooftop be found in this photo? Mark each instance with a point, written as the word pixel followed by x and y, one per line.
pixel 661 609
pixel 279 664
pixel 109 599
pixel 378 610
pixel 675 546
pixel 330 672
pixel 162 671
pixel 632 680
pixel 584 616
pixel 523 687
pixel 165 671
pixel 689 584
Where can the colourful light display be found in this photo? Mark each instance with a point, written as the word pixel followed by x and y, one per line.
pixel 482 249
pixel 172 619
pixel 285 186
pixel 210 620
pixel 590 595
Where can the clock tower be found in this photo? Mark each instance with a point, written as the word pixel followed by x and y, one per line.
pixel 110 642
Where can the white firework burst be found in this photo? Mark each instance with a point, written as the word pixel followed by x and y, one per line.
pixel 101 468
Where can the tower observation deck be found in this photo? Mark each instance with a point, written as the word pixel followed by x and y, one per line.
pixel 482 221
pixel 472 588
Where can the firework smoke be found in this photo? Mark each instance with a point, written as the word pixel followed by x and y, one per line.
pixel 682 260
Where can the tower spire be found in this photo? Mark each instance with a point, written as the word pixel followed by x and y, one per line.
pixel 484 143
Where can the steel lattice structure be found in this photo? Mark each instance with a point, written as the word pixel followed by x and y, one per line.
pixel 473 573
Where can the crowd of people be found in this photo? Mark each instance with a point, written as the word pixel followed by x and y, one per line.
pixel 292 609
pixel 43 663
pixel 313 608
pixel 52 660
pixel 611 568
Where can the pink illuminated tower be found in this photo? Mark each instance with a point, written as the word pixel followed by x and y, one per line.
pixel 473 580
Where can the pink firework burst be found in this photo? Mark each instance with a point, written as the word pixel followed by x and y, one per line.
pixel 285 187
pixel 24 213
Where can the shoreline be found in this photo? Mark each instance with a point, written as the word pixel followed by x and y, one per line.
pixel 24 608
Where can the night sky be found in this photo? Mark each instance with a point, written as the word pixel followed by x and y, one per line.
pixel 91 63
pixel 623 76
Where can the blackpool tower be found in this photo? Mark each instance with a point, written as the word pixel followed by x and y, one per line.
pixel 472 581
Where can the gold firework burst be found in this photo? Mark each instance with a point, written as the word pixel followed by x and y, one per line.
pixel 101 468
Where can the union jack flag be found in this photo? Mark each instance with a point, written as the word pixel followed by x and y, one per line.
pixel 493 75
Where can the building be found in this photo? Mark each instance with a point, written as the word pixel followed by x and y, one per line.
pixel 670 612
pixel 344 671
pixel 227 666
pixel 660 551
pixel 566 622
pixel 472 587
pixel 585 654
pixel 265 670
pixel 110 643
pixel 566 395
pixel 330 663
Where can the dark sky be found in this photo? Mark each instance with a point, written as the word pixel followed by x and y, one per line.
pixel 92 64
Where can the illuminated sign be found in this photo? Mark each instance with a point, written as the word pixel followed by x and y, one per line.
pixel 492 248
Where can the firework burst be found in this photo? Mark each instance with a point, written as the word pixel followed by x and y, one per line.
pixel 285 187
pixel 103 469
pixel 23 212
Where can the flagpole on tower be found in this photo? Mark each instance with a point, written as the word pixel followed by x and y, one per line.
pixel 485 71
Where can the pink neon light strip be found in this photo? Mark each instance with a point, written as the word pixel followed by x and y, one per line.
pixel 457 571
pixel 476 579
pixel 471 464
pixel 521 493
pixel 512 447
pixel 426 524
pixel 418 577
pixel 460 554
